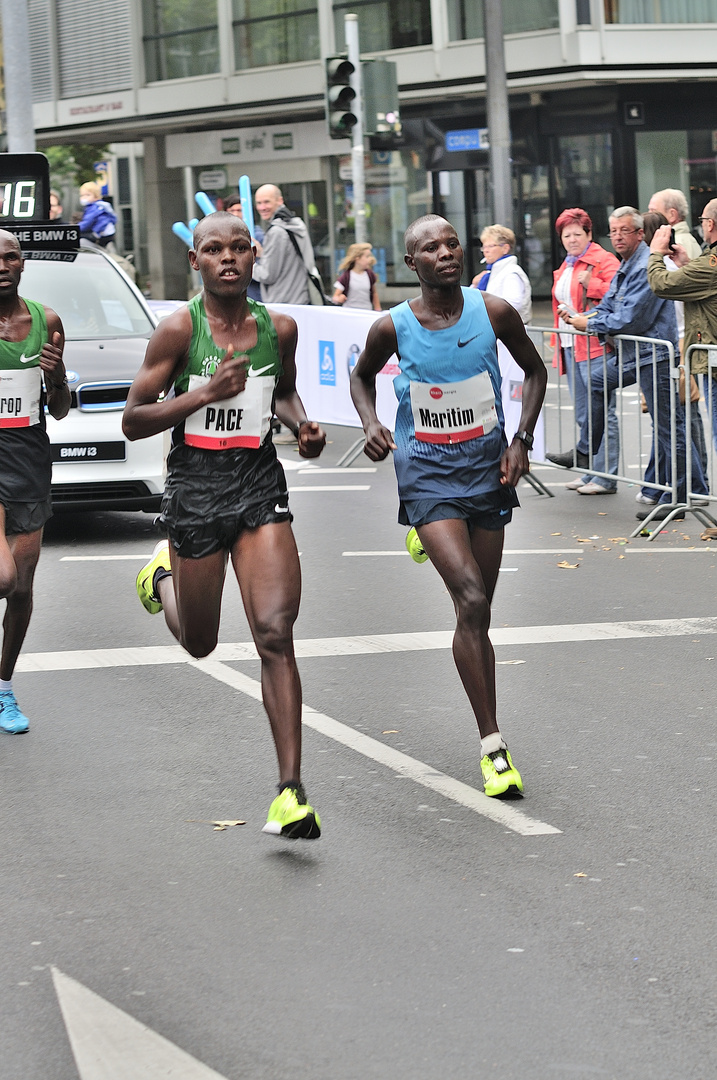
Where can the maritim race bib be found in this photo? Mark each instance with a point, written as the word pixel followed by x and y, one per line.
pixel 20 392
pixel 454 412
pixel 242 420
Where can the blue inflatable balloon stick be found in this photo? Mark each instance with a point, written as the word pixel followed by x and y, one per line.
pixel 204 203
pixel 246 204
pixel 180 229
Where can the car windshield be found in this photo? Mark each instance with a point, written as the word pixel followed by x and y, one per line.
pixel 91 298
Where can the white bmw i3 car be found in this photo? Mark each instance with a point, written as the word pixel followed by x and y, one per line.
pixel 107 326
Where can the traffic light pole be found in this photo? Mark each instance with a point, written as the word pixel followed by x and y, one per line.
pixel 357 150
pixel 497 113
pixel 18 84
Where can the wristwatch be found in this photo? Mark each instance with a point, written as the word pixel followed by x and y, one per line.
pixel 526 438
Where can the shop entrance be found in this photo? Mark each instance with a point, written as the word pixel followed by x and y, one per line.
pixel 463 197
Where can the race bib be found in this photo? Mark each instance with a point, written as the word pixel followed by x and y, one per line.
pixel 242 420
pixel 20 397
pixel 454 412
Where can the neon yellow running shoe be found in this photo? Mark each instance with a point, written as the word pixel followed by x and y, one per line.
pixel 291 816
pixel 145 578
pixel 500 777
pixel 415 547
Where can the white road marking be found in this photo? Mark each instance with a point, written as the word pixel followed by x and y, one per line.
pixel 401 764
pixel 141 556
pixel 369 644
pixel 107 1043
pixel 669 551
pixel 320 470
pixel 332 487
pixel 507 551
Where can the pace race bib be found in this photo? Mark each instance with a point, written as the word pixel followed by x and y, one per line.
pixel 20 397
pixel 242 420
pixel 454 412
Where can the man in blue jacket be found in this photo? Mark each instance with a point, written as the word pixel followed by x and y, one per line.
pixel 630 307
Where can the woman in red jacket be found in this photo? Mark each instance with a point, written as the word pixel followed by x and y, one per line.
pixel 580 284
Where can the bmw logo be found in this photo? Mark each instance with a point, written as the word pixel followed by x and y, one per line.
pixel 72 376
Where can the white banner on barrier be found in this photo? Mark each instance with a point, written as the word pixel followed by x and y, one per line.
pixel 330 341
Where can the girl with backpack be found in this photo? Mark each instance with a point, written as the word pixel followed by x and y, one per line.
pixel 355 286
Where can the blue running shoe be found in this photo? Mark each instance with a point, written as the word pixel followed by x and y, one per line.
pixel 11 719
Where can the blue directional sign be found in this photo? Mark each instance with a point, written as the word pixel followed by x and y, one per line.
pixel 467 139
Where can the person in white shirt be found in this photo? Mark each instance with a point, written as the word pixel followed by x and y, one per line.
pixel 355 286
pixel 503 276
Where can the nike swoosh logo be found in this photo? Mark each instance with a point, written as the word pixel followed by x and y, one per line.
pixel 281 509
pixel 462 344
pixel 253 372
pixel 26 359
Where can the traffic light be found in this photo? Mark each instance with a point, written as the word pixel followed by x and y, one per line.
pixel 339 96
pixel 382 117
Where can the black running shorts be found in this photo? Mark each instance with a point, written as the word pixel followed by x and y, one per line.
pixel 211 496
pixel 26 517
pixel 492 510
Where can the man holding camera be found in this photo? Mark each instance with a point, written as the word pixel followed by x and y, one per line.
pixel 695 283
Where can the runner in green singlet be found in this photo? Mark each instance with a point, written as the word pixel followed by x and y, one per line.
pixel 31 344
pixel 226 364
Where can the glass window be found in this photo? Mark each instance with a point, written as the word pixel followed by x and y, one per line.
pixel 397 192
pixel 386 24
pixel 465 17
pixel 181 38
pixel 274 32
pixel 660 11
pixel 585 179
pixel 686 160
pixel 90 297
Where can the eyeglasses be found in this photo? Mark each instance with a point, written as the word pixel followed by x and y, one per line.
pixel 622 232
pixel 705 219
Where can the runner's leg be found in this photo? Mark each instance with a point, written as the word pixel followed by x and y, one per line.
pixel 192 599
pixel 468 562
pixel 266 564
pixel 19 555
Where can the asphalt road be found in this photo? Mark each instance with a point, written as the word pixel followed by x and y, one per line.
pixel 418 938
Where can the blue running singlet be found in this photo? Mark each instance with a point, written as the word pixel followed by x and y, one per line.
pixel 449 423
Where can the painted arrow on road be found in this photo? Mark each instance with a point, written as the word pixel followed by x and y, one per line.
pixel 108 1043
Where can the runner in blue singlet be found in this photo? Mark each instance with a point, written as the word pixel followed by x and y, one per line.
pixel 456 474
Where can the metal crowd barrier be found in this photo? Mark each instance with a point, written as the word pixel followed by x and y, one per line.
pixel 632 378
pixel 707 384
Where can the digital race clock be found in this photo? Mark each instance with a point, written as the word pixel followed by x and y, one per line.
pixel 24 187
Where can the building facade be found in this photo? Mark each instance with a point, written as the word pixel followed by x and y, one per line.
pixel 610 100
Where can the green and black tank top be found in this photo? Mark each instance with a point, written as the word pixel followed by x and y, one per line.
pixel 243 420
pixel 25 464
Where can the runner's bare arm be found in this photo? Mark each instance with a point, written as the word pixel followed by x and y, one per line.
pixel 381 345
pixel 164 360
pixel 59 397
pixel 288 406
pixel 509 329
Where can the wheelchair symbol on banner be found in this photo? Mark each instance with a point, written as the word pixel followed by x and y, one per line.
pixel 327 364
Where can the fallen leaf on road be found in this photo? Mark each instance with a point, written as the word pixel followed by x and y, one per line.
pixel 565 565
pixel 219 826
pixel 391 731
pixel 579 875
pixel 618 540
pixel 556 534
pixel 582 540
pixel 709 534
